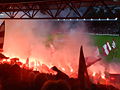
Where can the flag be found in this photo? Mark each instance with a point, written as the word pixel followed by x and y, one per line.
pixel 108 46
pixel 82 71
pixel 113 44
pixel 105 49
pixel 2 34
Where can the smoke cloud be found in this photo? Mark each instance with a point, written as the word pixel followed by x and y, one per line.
pixel 48 42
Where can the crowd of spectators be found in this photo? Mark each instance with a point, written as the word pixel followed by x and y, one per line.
pixel 13 77
pixel 103 27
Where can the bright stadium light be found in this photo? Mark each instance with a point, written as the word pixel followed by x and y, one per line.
pixel 116 18
pixel 84 19
pixel 107 19
pixel 91 19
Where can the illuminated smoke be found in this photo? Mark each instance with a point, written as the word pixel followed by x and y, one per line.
pixel 31 39
pixel 28 38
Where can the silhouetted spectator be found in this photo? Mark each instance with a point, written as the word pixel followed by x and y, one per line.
pixel 60 74
pixel 55 85
pixel 40 80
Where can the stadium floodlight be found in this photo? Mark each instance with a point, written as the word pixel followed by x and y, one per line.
pixel 116 18
pixel 91 19
pixel 107 19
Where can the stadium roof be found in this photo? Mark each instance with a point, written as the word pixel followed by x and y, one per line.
pixel 54 8
pixel 18 1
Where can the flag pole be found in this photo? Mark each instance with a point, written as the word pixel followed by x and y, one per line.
pixel 82 71
pixel 2 34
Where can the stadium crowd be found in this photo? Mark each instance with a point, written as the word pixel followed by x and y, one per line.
pixel 13 77
pixel 103 28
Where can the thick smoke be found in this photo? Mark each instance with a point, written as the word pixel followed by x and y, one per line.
pixel 52 43
pixel 48 42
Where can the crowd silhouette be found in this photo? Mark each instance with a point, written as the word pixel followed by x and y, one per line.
pixel 13 77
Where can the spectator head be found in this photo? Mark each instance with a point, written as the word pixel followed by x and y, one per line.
pixel 40 80
pixel 55 85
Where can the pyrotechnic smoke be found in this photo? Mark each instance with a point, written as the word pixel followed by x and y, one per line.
pixel 52 43
pixel 48 42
